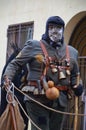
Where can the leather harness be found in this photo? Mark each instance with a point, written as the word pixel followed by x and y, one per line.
pixel 34 83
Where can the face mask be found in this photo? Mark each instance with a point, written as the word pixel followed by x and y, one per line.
pixel 55 33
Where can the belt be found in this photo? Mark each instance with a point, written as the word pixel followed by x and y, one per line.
pixel 61 88
pixel 33 89
pixel 32 83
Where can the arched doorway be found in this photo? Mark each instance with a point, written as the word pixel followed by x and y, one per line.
pixel 75 35
pixel 78 37
pixel 78 40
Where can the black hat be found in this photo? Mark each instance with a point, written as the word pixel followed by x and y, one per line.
pixel 55 20
pixel 52 20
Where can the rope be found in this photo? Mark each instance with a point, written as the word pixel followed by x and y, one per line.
pixel 10 94
pixel 11 100
pixel 51 109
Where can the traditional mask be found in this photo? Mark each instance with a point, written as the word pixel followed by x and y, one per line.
pixel 55 32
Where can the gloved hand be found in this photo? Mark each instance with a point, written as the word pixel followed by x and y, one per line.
pixel 78 90
pixel 6 83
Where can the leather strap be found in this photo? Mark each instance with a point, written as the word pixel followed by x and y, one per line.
pixel 46 57
pixel 44 49
pixel 67 54
pixel 46 54
pixel 62 88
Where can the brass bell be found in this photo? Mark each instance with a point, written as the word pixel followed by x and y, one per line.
pixel 54 70
pixel 68 72
pixel 61 75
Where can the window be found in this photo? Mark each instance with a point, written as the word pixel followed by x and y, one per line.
pixel 17 35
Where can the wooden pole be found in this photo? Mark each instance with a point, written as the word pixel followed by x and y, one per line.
pixel 76 112
pixel 76 107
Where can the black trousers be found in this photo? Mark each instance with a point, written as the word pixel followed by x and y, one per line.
pixel 42 117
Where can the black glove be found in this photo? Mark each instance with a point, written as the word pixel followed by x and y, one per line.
pixel 78 91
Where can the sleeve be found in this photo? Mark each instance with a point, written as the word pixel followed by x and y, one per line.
pixel 74 74
pixel 19 61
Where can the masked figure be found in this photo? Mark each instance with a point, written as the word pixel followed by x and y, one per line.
pixel 53 70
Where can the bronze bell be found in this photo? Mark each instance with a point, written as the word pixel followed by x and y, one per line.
pixel 61 75
pixel 54 70
pixel 68 72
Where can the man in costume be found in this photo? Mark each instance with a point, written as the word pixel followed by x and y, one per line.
pixel 53 70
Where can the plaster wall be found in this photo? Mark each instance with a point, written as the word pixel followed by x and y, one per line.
pixel 19 11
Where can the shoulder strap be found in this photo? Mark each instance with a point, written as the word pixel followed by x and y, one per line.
pixel 44 49
pixel 67 53
pixel 67 56
pixel 46 57
pixel 46 54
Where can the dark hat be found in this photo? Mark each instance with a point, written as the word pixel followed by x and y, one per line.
pixel 52 20
pixel 55 20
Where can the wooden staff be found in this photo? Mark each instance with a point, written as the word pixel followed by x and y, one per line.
pixel 76 107
pixel 76 112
